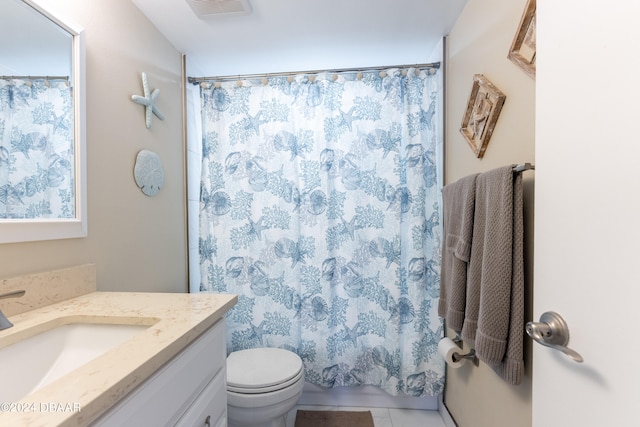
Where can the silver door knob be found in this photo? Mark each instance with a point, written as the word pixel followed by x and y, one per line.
pixel 552 331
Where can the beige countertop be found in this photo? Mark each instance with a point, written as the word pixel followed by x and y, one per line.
pixel 81 396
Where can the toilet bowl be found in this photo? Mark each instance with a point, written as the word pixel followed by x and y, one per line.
pixel 263 385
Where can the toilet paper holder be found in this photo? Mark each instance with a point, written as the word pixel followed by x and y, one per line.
pixel 471 356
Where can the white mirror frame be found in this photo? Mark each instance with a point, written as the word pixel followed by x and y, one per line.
pixel 27 230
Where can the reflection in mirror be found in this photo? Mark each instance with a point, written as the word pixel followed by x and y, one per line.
pixel 41 124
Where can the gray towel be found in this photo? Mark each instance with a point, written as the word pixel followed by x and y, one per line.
pixel 458 210
pixel 494 310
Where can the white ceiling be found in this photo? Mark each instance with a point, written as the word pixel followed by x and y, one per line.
pixel 296 35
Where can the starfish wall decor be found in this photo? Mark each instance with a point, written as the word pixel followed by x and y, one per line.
pixel 149 101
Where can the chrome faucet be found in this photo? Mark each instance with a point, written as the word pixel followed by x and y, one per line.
pixel 4 322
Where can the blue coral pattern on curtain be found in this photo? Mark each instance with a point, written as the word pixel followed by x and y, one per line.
pixel 36 150
pixel 319 208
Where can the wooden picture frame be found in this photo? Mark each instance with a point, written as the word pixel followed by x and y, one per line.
pixel 523 48
pixel 481 115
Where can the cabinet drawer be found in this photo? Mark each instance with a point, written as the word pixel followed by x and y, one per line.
pixel 211 404
pixel 165 396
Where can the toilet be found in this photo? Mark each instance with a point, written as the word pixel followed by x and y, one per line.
pixel 263 385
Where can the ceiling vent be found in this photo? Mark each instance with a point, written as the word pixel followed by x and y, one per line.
pixel 207 8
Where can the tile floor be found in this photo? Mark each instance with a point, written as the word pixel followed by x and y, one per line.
pixel 382 417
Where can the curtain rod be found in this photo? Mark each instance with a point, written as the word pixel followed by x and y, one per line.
pixel 196 80
pixel 66 78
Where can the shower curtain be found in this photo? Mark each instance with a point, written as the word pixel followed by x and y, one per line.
pixel 36 149
pixel 319 207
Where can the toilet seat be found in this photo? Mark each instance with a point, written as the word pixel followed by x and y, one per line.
pixel 262 370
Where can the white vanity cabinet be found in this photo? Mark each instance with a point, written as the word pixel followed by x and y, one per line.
pixel 190 390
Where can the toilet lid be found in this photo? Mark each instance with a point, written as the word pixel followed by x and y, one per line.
pixel 262 368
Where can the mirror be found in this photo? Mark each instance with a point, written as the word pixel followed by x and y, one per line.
pixel 42 124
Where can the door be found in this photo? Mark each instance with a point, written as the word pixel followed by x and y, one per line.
pixel 587 211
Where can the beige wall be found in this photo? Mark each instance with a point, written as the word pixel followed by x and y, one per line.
pixel 137 242
pixel 478 44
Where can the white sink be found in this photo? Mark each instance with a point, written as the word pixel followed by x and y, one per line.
pixel 39 360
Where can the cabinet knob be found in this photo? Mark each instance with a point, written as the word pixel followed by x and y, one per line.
pixel 207 422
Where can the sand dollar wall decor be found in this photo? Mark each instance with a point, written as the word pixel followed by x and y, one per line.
pixel 148 172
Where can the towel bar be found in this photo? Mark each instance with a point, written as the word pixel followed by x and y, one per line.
pixel 523 167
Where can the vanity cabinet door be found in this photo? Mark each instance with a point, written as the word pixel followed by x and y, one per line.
pixel 170 392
